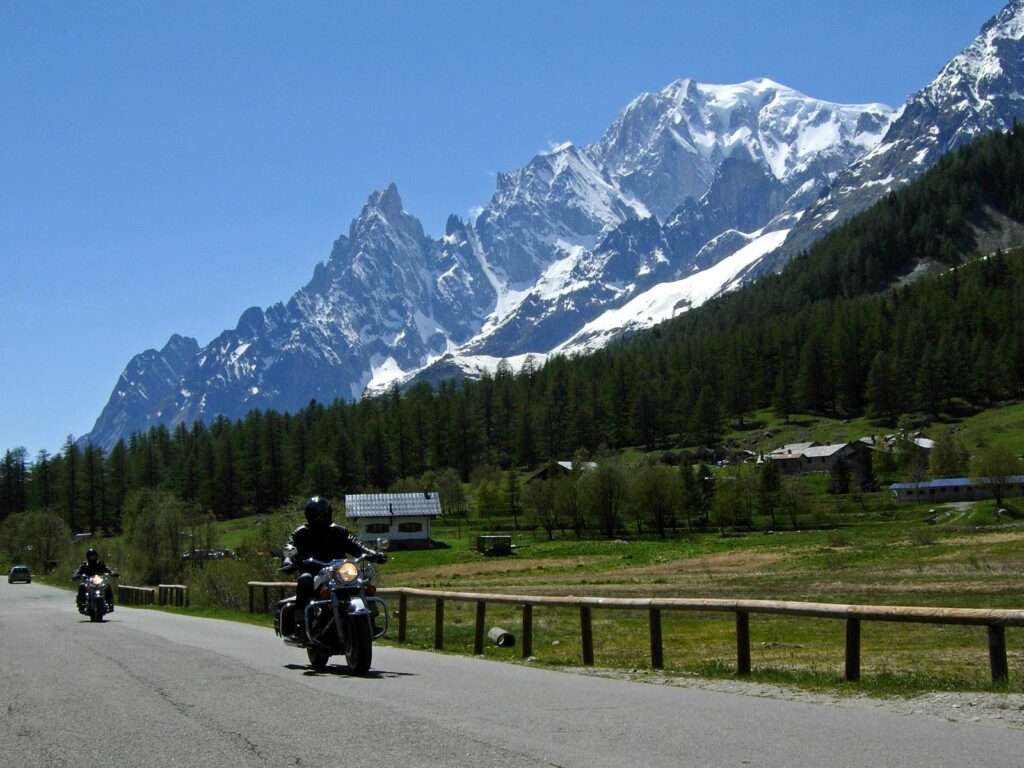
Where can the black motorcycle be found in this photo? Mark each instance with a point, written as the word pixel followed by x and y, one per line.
pixel 342 619
pixel 94 591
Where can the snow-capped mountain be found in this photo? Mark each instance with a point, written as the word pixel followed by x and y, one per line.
pixel 150 380
pixel 669 146
pixel 705 159
pixel 979 91
pixel 388 298
pixel 681 198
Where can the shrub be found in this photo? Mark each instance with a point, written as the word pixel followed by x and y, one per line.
pixel 224 583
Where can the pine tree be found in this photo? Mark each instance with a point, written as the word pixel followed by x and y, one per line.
pixel 72 460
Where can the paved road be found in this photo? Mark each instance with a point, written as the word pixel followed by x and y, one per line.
pixel 154 689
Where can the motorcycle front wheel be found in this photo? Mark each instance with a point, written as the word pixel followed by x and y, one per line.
pixel 317 660
pixel 359 652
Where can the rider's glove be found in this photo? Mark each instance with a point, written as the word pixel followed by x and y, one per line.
pixel 379 557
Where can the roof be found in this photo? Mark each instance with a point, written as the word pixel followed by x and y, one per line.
pixel 948 482
pixel 392 504
pixel 808 450
pixel 794 448
pixel 583 465
pixel 922 442
pixel 819 451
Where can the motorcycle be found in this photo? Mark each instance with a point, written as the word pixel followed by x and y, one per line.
pixel 95 605
pixel 342 618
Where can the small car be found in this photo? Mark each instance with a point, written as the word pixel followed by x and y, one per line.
pixel 19 573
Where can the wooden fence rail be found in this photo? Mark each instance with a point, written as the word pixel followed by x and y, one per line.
pixel 995 620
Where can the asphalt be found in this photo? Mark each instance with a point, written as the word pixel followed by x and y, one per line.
pixel 156 689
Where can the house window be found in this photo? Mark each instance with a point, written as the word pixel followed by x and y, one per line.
pixel 378 528
pixel 410 527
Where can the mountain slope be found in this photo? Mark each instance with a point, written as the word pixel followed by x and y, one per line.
pixel 978 91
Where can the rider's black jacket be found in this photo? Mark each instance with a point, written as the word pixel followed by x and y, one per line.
pixel 92 569
pixel 324 544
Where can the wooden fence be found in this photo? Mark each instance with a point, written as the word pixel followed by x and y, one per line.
pixel 127 595
pixel 995 620
pixel 163 594
pixel 279 588
pixel 172 594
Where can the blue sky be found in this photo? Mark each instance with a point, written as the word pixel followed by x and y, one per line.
pixel 164 166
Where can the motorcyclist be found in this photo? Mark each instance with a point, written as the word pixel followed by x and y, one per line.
pixel 92 566
pixel 319 539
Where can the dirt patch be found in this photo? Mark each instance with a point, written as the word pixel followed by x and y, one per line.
pixel 720 562
pixel 504 566
pixel 986 538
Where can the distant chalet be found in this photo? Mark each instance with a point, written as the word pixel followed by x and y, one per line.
pixel 807 458
pixel 402 518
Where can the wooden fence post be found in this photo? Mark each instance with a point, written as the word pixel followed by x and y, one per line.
pixel 852 649
pixel 403 609
pixel 997 653
pixel 657 655
pixel 478 637
pixel 252 595
pixel 742 643
pixel 527 631
pixel 439 625
pixel 587 635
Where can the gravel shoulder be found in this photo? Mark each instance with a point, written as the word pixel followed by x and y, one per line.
pixel 986 709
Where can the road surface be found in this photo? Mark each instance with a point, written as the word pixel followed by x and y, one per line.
pixel 155 689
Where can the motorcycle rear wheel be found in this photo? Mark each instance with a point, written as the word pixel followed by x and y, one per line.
pixel 359 653
pixel 317 660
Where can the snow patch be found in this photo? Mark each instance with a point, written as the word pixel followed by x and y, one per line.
pixel 666 300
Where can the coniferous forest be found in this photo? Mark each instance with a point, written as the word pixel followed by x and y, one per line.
pixel 838 333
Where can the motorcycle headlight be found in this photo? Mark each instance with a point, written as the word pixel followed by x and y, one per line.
pixel 348 571
pixel 96 580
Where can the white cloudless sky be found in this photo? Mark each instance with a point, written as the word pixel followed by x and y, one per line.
pixel 164 166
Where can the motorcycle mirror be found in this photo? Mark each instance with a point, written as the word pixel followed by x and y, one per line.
pixel 383 544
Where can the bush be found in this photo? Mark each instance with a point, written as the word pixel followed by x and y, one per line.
pixel 224 583
pixel 837 538
pixel 922 538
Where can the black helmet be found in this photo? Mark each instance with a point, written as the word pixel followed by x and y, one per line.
pixel 92 555
pixel 319 512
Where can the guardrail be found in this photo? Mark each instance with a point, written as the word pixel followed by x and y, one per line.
pixel 162 594
pixel 995 620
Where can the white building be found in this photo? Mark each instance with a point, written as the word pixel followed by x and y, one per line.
pixel 402 518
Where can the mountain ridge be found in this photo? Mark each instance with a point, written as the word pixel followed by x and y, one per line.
pixel 684 180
